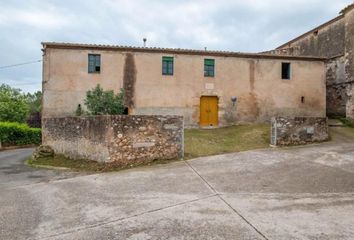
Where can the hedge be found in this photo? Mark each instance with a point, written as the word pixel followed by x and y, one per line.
pixel 347 122
pixel 12 134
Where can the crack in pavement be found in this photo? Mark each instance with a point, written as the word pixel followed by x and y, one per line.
pixel 201 177
pixel 125 218
pixel 241 216
pixel 225 202
pixel 215 194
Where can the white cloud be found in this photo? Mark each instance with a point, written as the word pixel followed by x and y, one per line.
pixel 34 18
pixel 238 25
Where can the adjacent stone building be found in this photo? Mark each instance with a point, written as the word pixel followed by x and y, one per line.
pixel 333 40
pixel 208 88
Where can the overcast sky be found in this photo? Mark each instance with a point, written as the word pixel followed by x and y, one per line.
pixel 239 25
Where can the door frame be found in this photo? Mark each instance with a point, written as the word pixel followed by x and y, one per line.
pixel 216 114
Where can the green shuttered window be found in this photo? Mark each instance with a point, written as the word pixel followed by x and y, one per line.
pixel 167 65
pixel 94 63
pixel 209 67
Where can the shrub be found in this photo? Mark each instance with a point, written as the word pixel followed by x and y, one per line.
pixel 347 122
pixel 79 110
pixel 12 133
pixel 101 102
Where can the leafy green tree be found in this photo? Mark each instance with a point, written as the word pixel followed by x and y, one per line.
pixel 99 102
pixel 13 104
pixel 34 101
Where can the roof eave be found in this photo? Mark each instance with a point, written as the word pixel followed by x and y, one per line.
pixel 176 51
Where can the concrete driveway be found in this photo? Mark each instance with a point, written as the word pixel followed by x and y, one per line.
pixel 295 193
pixel 13 171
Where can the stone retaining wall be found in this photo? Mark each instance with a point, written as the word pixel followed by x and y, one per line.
pixel 297 131
pixel 126 140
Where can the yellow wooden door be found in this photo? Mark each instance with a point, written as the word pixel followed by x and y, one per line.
pixel 204 111
pixel 208 111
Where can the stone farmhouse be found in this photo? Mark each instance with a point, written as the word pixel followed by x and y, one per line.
pixel 209 88
pixel 311 75
pixel 333 40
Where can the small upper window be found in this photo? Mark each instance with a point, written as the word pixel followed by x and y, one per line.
pixel 94 63
pixel 167 65
pixel 209 67
pixel 285 70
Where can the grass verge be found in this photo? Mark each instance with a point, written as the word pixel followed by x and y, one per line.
pixel 342 132
pixel 205 142
pixel 347 122
pixel 61 162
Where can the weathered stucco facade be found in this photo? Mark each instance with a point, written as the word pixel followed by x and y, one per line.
pixel 254 80
pixel 333 40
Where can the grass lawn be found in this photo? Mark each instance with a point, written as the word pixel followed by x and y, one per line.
pixel 347 132
pixel 204 142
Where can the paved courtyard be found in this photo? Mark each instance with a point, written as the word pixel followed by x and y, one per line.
pixel 292 193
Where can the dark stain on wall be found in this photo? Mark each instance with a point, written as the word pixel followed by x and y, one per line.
pixel 252 74
pixel 129 79
pixel 253 101
pixel 230 112
pixel 336 93
pixel 312 102
pixel 336 100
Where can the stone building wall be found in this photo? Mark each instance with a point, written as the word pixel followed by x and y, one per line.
pixel 284 51
pixel 297 131
pixel 328 40
pixel 349 59
pixel 125 140
pixel 335 41
pixel 336 85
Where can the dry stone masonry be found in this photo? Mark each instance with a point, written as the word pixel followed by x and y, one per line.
pixel 333 40
pixel 299 130
pixel 123 139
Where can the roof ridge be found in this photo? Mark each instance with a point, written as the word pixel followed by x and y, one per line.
pixel 347 8
pixel 176 51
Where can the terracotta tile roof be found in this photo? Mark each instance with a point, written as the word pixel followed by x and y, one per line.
pixel 173 51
